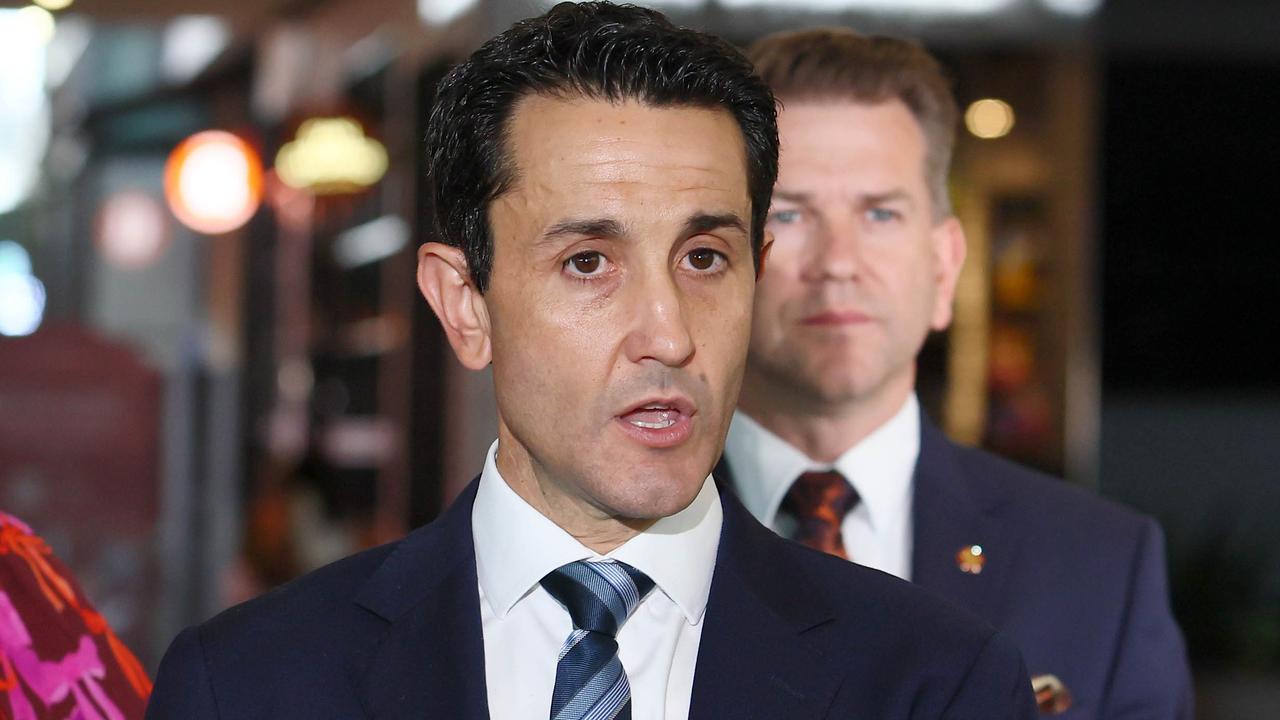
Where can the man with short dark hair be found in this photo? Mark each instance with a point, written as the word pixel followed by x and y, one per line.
pixel 830 446
pixel 600 180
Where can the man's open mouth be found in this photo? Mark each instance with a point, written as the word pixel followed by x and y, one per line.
pixel 653 417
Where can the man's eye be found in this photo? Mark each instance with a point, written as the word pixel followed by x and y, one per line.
pixel 704 259
pixel 586 264
pixel 784 217
pixel 880 215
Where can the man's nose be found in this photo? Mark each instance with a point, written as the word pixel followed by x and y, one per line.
pixel 659 329
pixel 834 251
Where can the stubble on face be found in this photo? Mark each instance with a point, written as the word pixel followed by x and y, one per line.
pixel 609 189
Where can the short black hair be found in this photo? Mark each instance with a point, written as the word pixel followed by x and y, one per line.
pixel 596 50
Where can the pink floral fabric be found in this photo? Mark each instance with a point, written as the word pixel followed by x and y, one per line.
pixel 58 657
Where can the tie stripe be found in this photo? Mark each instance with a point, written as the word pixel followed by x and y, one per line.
pixel 574 638
pixel 620 582
pixel 590 681
pixel 614 702
pixel 595 693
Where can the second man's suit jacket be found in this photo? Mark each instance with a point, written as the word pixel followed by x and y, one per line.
pixel 1077 582
pixel 789 634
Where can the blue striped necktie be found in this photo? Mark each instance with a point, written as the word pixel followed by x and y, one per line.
pixel 600 596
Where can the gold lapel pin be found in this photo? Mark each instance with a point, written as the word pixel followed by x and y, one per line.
pixel 1052 696
pixel 970 559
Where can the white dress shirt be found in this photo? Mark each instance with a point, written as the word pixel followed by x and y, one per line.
pixel 877 532
pixel 524 627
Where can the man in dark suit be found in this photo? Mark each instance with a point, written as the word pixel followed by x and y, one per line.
pixel 829 446
pixel 600 180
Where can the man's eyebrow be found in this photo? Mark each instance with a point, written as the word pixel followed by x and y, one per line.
pixel 701 223
pixel 602 227
pixel 697 224
pixel 896 195
pixel 795 197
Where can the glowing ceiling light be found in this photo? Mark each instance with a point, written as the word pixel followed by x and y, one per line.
pixel 22 296
pixel 132 232
pixel 213 182
pixel 331 155
pixel 989 118
pixel 922 7
pixel 24 106
pixel 1079 8
pixel 22 302
pixel 39 22
pixel 191 42
pixel 54 4
pixel 676 4
pixel 372 241
pixel 439 12
pixel 14 259
pixel 69 42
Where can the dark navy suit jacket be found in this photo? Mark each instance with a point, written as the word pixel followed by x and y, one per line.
pixel 1077 582
pixel 789 633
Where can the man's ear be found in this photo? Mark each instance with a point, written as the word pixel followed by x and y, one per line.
pixel 445 281
pixel 765 246
pixel 949 249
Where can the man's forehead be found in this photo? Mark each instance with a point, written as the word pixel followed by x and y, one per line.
pixel 579 142
pixel 625 171
pixel 843 102
pixel 569 119
pixel 878 145
pixel 847 119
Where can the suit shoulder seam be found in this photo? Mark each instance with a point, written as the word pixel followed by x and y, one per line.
pixel 208 671
pixel 1141 540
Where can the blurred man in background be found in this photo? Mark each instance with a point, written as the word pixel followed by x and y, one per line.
pixel 601 180
pixel 829 445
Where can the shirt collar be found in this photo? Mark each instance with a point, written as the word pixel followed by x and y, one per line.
pixel 880 467
pixel 516 546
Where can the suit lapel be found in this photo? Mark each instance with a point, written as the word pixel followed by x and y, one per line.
pixel 951 513
pixel 753 660
pixel 429 660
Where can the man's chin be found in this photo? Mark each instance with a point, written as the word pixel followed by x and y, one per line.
pixel 649 498
pixel 837 381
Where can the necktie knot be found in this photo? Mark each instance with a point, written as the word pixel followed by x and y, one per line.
pixel 819 501
pixel 599 596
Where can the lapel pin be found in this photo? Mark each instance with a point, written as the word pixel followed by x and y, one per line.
pixel 970 559
pixel 1052 697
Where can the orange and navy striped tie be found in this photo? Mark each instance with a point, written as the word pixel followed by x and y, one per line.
pixel 819 501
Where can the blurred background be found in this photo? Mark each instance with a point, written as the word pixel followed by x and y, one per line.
pixel 216 372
